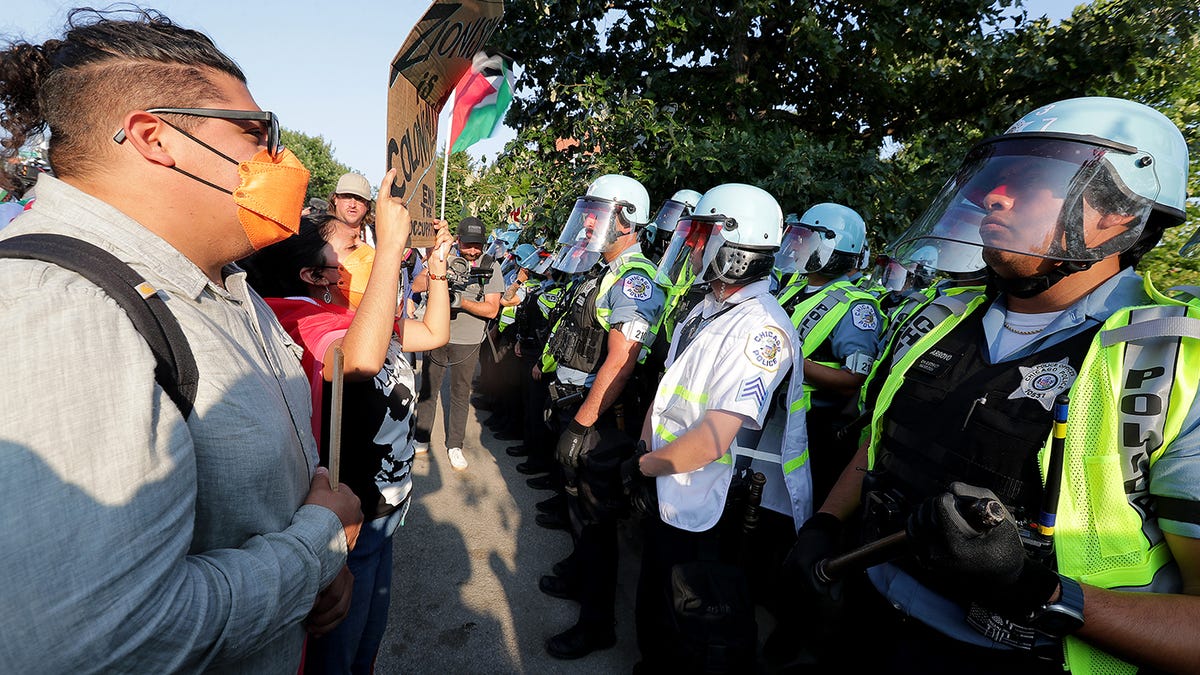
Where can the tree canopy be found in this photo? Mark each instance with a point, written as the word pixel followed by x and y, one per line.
pixel 316 154
pixel 868 104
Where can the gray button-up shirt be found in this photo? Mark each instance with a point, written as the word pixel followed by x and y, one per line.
pixel 131 541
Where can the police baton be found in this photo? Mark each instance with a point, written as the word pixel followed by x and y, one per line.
pixel 1042 544
pixel 982 514
pixel 855 426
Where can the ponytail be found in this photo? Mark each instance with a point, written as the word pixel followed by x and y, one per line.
pixel 23 69
pixel 79 88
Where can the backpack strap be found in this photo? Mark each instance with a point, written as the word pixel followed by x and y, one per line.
pixel 175 367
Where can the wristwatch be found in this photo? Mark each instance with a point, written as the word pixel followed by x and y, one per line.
pixel 1063 616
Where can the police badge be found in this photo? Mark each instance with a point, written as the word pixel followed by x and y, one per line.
pixel 1044 382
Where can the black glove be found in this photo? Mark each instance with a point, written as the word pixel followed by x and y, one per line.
pixel 971 541
pixel 816 540
pixel 641 489
pixel 574 443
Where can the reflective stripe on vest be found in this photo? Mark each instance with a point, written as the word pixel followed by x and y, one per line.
pixel 508 315
pixel 1127 406
pixel 816 316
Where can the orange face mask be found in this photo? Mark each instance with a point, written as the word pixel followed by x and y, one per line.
pixel 354 272
pixel 270 197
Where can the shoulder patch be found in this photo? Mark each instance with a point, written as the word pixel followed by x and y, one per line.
pixel 637 287
pixel 864 317
pixel 765 347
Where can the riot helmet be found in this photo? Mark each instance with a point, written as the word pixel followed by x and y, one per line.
pixel 657 235
pixel 1073 182
pixel 732 237
pixel 915 273
pixel 612 201
pixel 829 239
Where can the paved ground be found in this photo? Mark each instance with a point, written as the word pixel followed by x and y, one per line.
pixel 465 596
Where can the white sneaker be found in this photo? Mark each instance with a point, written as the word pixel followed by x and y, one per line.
pixel 457 460
pixel 420 448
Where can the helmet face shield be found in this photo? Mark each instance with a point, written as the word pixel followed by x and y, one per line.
pixel 497 249
pixel 683 261
pixel 1192 248
pixel 545 260
pixel 1044 197
pixel 574 259
pixel 668 216
pixel 805 248
pixel 592 224
pixel 896 276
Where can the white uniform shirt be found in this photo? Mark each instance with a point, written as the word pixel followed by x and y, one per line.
pixel 734 364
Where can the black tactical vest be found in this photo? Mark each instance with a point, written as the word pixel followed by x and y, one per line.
pixel 958 418
pixel 579 341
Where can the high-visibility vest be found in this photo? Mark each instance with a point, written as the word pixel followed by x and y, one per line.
pixel 1127 405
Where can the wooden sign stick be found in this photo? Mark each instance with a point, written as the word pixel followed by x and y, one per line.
pixel 335 419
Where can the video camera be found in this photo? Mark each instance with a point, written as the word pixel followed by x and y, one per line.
pixel 460 276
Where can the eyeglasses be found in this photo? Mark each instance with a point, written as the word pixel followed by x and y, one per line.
pixel 272 136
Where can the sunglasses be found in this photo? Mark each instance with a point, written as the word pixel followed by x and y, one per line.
pixel 272 136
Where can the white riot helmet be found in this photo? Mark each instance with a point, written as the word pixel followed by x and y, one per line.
pixel 1074 182
pixel 612 201
pixel 829 239
pixel 536 259
pixel 732 236
pixel 657 235
pixel 914 273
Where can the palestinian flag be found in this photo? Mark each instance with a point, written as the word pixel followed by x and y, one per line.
pixel 480 101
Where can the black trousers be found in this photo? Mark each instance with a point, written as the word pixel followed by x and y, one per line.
pixel 828 455
pixel 595 557
pixel 663 547
pixel 538 436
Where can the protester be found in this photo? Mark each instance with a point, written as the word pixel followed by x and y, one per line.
pixel 139 537
pixel 351 204
pixel 704 431
pixel 331 291
pixel 472 305
pixel 606 326
pixel 1104 576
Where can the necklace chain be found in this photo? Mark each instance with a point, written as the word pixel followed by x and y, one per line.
pixel 1024 332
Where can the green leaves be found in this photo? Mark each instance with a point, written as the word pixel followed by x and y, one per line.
pixel 800 98
pixel 316 154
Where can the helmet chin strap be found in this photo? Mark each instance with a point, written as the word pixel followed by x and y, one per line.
pixel 1028 287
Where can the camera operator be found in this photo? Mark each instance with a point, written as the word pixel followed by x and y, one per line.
pixel 474 299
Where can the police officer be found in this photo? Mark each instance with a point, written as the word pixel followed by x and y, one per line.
pixel 531 325
pixel 605 327
pixel 656 236
pixel 838 323
pixel 1070 198
pixel 708 425
pixel 505 383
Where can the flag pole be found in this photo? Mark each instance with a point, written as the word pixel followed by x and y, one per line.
pixel 446 164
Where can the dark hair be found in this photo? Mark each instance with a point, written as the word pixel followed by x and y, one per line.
pixel 81 86
pixel 275 270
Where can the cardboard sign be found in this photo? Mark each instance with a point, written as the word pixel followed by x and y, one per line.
pixel 435 56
